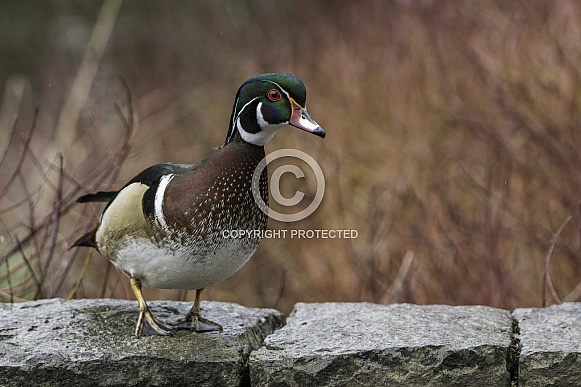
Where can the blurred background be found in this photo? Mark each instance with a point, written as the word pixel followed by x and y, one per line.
pixel 453 141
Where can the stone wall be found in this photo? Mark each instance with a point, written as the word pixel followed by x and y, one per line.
pixel 90 343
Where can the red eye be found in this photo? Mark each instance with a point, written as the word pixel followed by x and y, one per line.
pixel 274 95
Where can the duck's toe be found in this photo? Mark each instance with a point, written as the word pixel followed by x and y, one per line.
pixel 197 324
pixel 147 325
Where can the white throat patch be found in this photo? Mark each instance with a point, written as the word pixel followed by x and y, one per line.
pixel 267 130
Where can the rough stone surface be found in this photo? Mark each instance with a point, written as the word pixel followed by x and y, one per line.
pixel 341 344
pixel 551 345
pixel 91 342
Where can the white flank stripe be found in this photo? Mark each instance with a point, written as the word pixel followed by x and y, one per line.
pixel 159 194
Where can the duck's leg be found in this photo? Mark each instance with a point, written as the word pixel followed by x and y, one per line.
pixel 147 325
pixel 194 321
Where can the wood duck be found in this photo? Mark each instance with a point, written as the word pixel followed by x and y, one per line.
pixel 165 227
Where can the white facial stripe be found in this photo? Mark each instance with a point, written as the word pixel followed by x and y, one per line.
pixel 158 203
pixel 280 87
pixel 244 107
pixel 233 121
pixel 235 104
pixel 260 118
pixel 244 134
pixel 266 132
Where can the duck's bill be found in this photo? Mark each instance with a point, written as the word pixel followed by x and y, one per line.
pixel 301 119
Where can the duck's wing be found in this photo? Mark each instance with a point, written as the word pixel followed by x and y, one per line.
pixel 149 177
pixel 101 196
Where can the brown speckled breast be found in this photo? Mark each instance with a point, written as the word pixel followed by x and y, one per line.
pixel 217 196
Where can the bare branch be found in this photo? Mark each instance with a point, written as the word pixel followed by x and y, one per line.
pixel 547 281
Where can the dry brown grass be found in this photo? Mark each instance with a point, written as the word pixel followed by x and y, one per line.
pixel 454 131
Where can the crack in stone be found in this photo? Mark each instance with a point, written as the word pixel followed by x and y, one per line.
pixel 513 354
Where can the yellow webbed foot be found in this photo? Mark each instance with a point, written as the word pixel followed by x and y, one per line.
pixel 193 321
pixel 147 324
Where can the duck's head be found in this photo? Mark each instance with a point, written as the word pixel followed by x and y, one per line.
pixel 266 103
